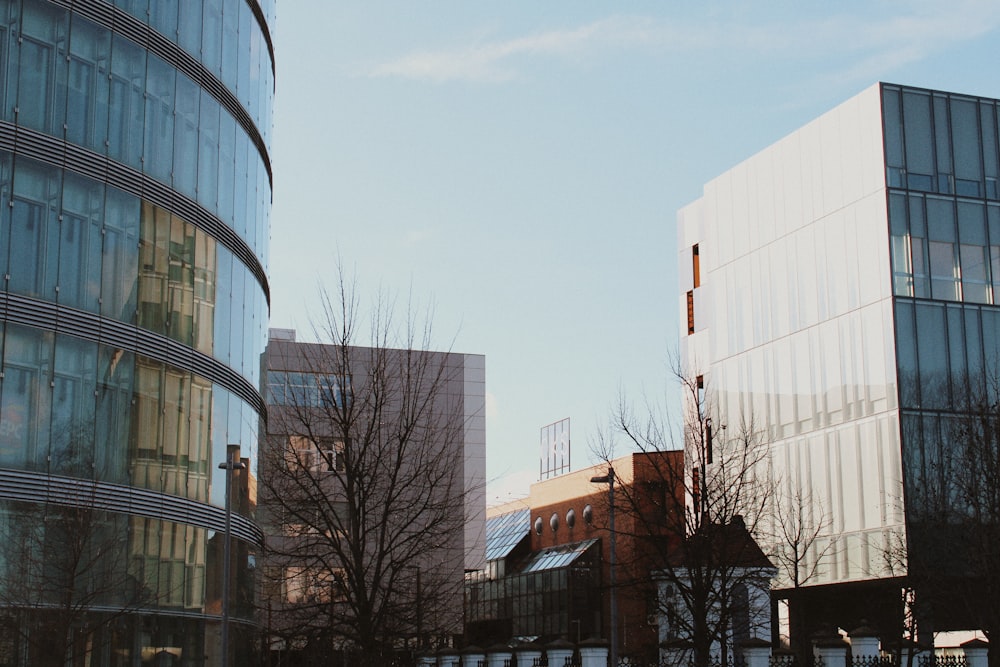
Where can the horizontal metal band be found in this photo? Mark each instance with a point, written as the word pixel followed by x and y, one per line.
pixel 114 333
pixel 144 611
pixel 265 29
pixel 123 23
pixel 59 153
pixel 38 487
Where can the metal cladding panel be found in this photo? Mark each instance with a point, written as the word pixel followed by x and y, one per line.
pixel 72 492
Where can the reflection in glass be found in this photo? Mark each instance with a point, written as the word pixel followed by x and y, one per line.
pixel 104 92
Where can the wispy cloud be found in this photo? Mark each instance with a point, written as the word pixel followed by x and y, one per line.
pixel 497 60
pixel 905 34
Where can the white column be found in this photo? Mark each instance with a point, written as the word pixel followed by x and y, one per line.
pixel 864 643
pixel 559 652
pixel 528 655
pixel 833 652
pixel 592 655
pixel 473 656
pixel 756 652
pixel 498 656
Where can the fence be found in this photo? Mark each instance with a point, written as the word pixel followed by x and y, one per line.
pixel 834 652
pixel 557 654
pixel 865 651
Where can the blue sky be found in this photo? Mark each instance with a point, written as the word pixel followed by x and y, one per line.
pixel 517 166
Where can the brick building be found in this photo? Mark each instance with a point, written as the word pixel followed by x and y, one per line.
pixel 548 555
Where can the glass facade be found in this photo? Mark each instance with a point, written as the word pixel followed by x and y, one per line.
pixel 548 597
pixel 942 162
pixel 135 190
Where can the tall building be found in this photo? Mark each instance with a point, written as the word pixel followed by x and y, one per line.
pixel 842 287
pixel 373 497
pixel 135 188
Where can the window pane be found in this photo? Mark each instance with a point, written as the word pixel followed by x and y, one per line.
pixel 35 224
pixel 211 39
pixel 80 243
pixel 42 84
pixel 208 153
pixel 918 136
pixel 120 261
pixel 189 27
pixel 163 18
pixel 944 283
pixel 902 269
pixel 942 142
pixel 87 96
pixel 967 144
pixel 186 136
pixel 940 219
pixel 932 341
pixel 159 125
pixel 893 124
pixel 114 412
pixel 974 274
pixel 74 379
pixel 127 111
pixel 990 161
pixel 906 355
pixel 971 223
pixel 24 405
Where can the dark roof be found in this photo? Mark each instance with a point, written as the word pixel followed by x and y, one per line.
pixel 558 556
pixel 731 544
pixel 505 531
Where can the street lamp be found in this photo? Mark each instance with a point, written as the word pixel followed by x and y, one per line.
pixel 609 479
pixel 231 463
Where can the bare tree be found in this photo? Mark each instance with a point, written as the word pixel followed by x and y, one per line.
pixel 363 485
pixel 698 529
pixel 62 602
pixel 798 547
pixel 66 576
pixel 894 560
pixel 969 491
pixel 952 548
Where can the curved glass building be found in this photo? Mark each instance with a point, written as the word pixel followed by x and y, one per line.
pixel 135 188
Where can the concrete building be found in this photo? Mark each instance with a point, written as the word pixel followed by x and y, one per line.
pixel 841 286
pixel 135 188
pixel 374 470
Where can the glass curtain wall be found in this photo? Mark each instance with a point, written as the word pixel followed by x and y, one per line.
pixel 545 599
pixel 135 190
pixel 943 163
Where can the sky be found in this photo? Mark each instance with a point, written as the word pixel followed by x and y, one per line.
pixel 515 168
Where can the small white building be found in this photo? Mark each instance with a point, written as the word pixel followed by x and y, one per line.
pixel 736 577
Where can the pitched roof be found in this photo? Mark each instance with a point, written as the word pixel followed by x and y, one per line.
pixel 729 544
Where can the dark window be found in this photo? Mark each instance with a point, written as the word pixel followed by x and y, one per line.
pixel 690 309
pixel 696 266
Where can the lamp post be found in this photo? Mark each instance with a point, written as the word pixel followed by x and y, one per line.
pixel 231 463
pixel 609 479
